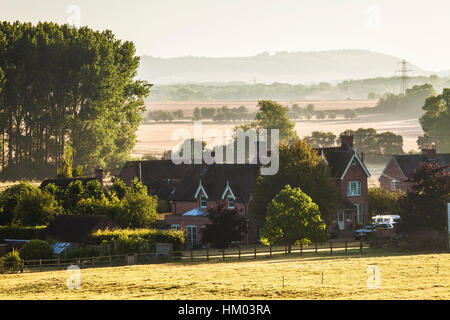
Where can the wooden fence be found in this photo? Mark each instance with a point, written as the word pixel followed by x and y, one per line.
pixel 204 255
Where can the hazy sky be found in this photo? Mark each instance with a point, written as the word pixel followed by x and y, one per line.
pixel 415 30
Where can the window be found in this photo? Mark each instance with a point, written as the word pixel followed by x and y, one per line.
pixel 202 201
pixel 191 235
pixel 354 188
pixel 394 185
pixel 359 213
pixel 230 202
pixel 175 226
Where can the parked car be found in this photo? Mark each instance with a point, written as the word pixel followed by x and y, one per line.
pixel 386 219
pixel 361 234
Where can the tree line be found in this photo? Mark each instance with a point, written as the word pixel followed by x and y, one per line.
pixel 375 146
pixel 63 86
pixel 373 88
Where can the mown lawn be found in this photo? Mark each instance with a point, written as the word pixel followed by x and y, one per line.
pixel 408 276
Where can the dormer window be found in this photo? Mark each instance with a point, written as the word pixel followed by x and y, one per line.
pixel 230 202
pixel 202 201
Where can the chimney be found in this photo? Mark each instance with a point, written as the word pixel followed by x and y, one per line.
pixel 99 174
pixel 347 140
pixel 429 150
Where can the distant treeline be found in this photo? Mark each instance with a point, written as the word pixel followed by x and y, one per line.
pixel 354 89
pixel 375 146
pixel 224 113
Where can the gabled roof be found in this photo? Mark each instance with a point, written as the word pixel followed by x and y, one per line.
pixel 241 178
pixel 181 182
pixel 340 159
pixel 409 162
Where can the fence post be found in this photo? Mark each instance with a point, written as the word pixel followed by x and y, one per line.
pixel 223 255
pixel 192 255
pixel 301 248
pixel 93 261
pixel 58 263
pixel 345 246
pixel 40 264
pixel 331 247
pixel 315 244
pixel 255 251
pixel 360 247
pixel 207 254
pixel 110 260
pixel 270 250
pixel 239 252
pixel 135 258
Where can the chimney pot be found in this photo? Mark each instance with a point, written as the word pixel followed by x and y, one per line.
pixel 347 141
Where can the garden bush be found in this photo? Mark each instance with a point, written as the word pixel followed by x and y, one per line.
pixel 11 262
pixel 135 238
pixel 36 249
pixel 22 233
pixel 83 253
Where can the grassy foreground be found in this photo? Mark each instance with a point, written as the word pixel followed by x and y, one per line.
pixel 415 276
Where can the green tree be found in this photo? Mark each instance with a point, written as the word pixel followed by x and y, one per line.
pixel 35 208
pixel 425 206
pixel 319 139
pixel 301 167
pixel 11 262
pixel 226 226
pixel 9 199
pixel 383 202
pixel 436 120
pixel 293 218
pixel 272 115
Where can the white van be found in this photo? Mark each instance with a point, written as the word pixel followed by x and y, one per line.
pixel 386 219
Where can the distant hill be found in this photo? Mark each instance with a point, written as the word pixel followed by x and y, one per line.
pixel 296 67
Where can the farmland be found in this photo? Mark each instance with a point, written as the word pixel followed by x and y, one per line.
pixel 408 276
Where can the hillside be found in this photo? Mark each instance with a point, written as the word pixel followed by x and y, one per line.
pixel 295 67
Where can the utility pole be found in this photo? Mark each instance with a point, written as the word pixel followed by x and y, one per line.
pixel 404 76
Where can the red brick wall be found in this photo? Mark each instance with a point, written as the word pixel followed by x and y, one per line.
pixel 356 173
pixel 180 207
pixel 392 172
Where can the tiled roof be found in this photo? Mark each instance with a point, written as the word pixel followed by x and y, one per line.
pixel 409 162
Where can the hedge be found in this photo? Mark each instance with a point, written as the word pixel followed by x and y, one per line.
pixel 22 233
pixel 136 236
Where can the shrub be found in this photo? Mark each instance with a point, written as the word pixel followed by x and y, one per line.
pixel 11 262
pixel 25 233
pixel 36 249
pixel 151 236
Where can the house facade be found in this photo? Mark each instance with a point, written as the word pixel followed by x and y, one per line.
pixel 351 177
pixel 192 189
pixel 400 167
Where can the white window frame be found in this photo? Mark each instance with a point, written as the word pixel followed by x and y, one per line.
pixel 175 226
pixel 354 188
pixel 359 213
pixel 394 185
pixel 203 199
pixel 191 237
pixel 231 200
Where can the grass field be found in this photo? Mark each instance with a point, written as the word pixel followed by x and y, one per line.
pixel 409 276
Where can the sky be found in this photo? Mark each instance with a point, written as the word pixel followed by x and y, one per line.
pixel 415 30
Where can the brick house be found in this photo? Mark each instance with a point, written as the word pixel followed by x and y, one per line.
pixel 193 188
pixel 399 168
pixel 352 181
